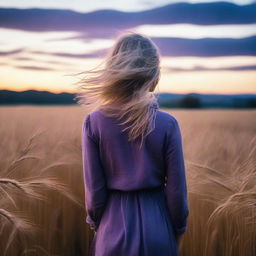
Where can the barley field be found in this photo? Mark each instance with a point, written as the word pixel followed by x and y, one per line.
pixel 41 186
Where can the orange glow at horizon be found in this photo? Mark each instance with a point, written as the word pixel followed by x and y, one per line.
pixel 224 82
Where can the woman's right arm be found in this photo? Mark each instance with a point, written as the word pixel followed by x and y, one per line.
pixel 176 186
pixel 96 193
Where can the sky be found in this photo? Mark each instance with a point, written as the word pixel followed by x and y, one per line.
pixel 204 51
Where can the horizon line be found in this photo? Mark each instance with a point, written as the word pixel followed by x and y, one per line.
pixel 163 92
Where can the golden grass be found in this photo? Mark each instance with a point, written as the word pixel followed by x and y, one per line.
pixel 41 185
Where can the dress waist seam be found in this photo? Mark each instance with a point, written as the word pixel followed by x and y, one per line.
pixel 149 189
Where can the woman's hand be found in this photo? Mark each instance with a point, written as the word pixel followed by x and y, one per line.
pixel 178 239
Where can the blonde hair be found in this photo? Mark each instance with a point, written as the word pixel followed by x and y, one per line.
pixel 124 87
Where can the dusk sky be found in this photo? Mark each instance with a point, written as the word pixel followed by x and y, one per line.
pixel 203 47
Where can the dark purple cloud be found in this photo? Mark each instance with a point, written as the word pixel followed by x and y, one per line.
pixel 12 52
pixel 23 58
pixel 96 54
pixel 205 47
pixel 34 68
pixel 66 20
pixel 44 61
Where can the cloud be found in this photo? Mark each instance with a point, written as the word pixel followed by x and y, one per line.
pixel 206 47
pixel 23 58
pixel 34 68
pixel 12 52
pixel 201 68
pixel 96 54
pixel 42 61
pixel 66 20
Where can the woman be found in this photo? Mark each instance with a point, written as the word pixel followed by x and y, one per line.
pixel 133 166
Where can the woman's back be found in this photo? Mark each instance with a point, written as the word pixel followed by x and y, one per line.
pixel 126 165
pixel 136 197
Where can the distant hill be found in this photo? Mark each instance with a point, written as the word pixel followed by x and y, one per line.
pixel 35 97
pixel 168 100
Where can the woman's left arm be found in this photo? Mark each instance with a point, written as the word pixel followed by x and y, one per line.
pixel 93 175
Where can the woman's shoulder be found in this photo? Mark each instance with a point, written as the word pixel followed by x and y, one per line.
pixel 167 117
pixel 169 123
pixel 90 123
pixel 93 115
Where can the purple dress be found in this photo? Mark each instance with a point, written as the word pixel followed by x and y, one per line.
pixel 136 199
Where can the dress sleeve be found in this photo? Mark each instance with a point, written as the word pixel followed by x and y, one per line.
pixel 93 176
pixel 176 187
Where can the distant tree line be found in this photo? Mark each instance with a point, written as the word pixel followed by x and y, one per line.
pixel 188 101
pixel 166 100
